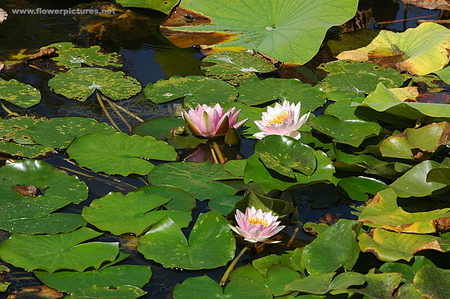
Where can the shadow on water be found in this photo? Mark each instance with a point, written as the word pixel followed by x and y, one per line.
pixel 148 57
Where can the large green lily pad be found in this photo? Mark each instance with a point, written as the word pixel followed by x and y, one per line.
pixel 133 213
pixel 198 179
pixel 418 51
pixel 120 292
pixel 119 153
pixel 432 282
pixel 109 275
pixel 194 89
pixel 278 28
pixel 19 94
pixel 284 155
pixel 53 252
pixel 80 83
pixel 31 191
pixel 162 6
pixel 211 243
pixel 179 199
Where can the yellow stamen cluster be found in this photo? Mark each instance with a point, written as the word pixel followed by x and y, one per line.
pixel 256 221
pixel 278 118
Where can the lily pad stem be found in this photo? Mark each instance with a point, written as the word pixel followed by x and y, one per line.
pixel 230 268
pixel 218 152
pixel 111 120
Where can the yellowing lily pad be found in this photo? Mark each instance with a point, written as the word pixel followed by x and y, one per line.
pixel 418 51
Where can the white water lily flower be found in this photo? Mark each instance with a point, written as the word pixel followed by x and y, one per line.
pixel 283 120
pixel 256 226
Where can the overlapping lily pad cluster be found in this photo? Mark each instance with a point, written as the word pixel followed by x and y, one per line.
pixel 375 143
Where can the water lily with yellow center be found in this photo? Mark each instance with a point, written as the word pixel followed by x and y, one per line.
pixel 256 225
pixel 205 121
pixel 283 120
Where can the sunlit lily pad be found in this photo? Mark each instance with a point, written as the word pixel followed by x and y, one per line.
pixel 271 89
pixel 80 83
pixel 280 29
pixel 358 187
pixel 71 56
pixel 350 77
pixel 97 151
pixel 419 144
pixel 327 282
pixel 31 191
pixel 179 199
pixel 18 93
pixel 110 275
pixel 211 243
pixel 384 212
pixel 285 155
pixel 194 89
pixel 392 246
pixel 423 49
pixel 133 213
pixel 53 252
pixel 198 179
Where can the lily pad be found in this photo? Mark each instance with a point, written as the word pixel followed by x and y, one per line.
pixel 271 89
pixel 120 292
pixel 19 94
pixel 277 206
pixel 317 257
pixel 286 155
pixel 71 56
pixel 80 83
pixel 392 246
pixel 408 270
pixel 54 252
pixel 351 132
pixel 179 199
pixel 358 187
pixel 194 89
pixel 198 179
pixel 236 67
pixel 161 128
pixel 31 191
pixel 109 275
pixel 96 151
pixel 431 282
pixel 327 282
pixel 419 144
pixel 350 77
pixel 133 213
pixel 422 50
pixel 211 243
pixel 211 290
pixel 384 212
pixel 271 28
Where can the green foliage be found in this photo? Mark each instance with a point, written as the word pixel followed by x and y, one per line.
pixel 18 93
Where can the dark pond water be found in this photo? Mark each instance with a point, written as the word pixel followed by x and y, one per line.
pixel 149 57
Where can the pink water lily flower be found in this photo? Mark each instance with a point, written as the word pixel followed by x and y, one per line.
pixel 281 120
pixel 256 226
pixel 211 122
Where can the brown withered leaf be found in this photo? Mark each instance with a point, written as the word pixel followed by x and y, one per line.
pixel 36 292
pixel 442 224
pixel 29 190
pixel 386 57
pixel 430 4
pixel 184 17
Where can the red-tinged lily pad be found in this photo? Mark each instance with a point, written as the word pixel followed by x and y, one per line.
pixel 54 252
pixel 418 51
pixel 97 151
pixel 211 243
